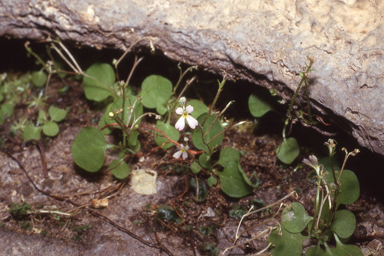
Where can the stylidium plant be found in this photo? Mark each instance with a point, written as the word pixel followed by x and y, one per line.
pixel 184 112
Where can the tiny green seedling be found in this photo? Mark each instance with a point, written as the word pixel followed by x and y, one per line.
pixel 46 123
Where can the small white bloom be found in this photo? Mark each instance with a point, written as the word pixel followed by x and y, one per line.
pixel 184 112
pixel 183 151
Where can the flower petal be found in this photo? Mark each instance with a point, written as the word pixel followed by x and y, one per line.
pixel 177 154
pixel 185 155
pixel 180 124
pixel 189 109
pixel 192 122
pixel 179 111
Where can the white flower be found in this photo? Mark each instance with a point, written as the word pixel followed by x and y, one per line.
pixel 184 112
pixel 183 151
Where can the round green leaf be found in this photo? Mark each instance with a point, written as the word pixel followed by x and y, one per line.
pixel 343 249
pixel 50 128
pixel 119 169
pixel 88 149
pixel 344 223
pixel 169 130
pixel 294 218
pixel 161 109
pixel 199 108
pixel 288 150
pixel 57 114
pixel 39 78
pixel 31 132
pixel 286 243
pixel 232 182
pixel 349 188
pixel 258 106
pixel 228 154
pixel 98 89
pixel 7 109
pixel 197 135
pixel 156 90
pixel 195 168
pixel 211 181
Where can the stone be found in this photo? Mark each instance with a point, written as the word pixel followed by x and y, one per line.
pixel 262 41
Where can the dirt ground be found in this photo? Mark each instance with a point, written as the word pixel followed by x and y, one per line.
pixel 128 226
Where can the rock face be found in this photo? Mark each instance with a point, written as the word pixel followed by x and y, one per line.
pixel 263 41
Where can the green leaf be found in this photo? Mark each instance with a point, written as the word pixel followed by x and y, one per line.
pixel 258 106
pixel 197 135
pixel 42 117
pixel 99 89
pixel 344 249
pixel 286 244
pixel 161 109
pixel 288 150
pixel 349 188
pixel 156 90
pixel 170 131
pixel 195 168
pixel 316 251
pixel 31 132
pixel 203 190
pixel 344 223
pixel 212 181
pixel 5 110
pixel 39 78
pixel 228 154
pixel 232 182
pixel 199 108
pixel 119 169
pixel 294 218
pixel 88 149
pixel 50 128
pixel 57 114
pixel 133 141
pixel 205 161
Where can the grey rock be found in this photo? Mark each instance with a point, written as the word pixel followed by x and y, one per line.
pixel 263 41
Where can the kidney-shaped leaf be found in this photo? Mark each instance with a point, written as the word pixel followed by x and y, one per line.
pixel 344 223
pixel 50 128
pixel 170 131
pixel 294 218
pixel 88 149
pixel 119 169
pixel 156 90
pixel 99 81
pixel 286 244
pixel 228 154
pixel 288 150
pixel 57 114
pixel 258 106
pixel 232 182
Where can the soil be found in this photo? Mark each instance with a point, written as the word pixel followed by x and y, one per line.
pixel 128 226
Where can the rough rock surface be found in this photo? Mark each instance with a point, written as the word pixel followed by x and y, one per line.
pixel 263 41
